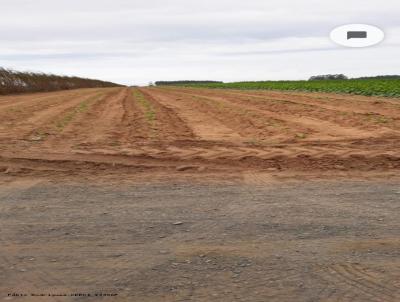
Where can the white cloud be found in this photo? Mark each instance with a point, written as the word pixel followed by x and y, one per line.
pixel 139 41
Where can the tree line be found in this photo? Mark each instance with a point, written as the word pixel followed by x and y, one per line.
pixel 163 83
pixel 12 81
pixel 343 77
pixel 328 77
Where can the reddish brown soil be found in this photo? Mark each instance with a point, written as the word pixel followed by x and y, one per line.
pixel 219 132
pixel 207 217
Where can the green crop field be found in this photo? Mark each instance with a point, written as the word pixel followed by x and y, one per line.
pixel 368 87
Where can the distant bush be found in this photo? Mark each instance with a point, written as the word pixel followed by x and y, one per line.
pixel 328 77
pixel 382 77
pixel 12 81
pixel 173 83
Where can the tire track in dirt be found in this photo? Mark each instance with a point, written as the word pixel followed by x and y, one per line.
pixel 202 125
pixel 252 125
pixel 44 118
pixel 168 124
pixel 78 128
pixel 341 97
pixel 118 121
pixel 355 280
pixel 33 99
pixel 379 106
pixel 330 123
pixel 106 119
pixel 134 121
pixel 101 118
pixel 373 114
pixel 14 115
pixel 301 126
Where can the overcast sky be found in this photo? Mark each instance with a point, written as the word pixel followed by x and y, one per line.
pixel 134 42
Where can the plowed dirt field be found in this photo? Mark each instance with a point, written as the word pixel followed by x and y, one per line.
pixel 177 194
pixel 151 131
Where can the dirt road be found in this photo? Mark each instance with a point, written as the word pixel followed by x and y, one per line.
pixel 313 241
pixel 198 131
